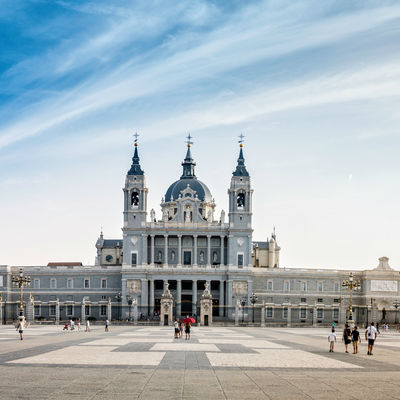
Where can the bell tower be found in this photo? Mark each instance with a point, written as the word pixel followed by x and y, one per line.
pixel 240 214
pixel 135 193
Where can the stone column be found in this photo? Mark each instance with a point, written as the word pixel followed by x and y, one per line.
pixel 83 311
pixel 194 297
pixel 228 250
pixel 57 311
pixel 151 297
pixel 289 316
pixel 221 298
pixel 221 257
pixel 30 309
pixel 179 251
pixel 144 298
pixel 208 250
pixel 263 314
pixel 135 311
pixel 237 313
pixel 144 249
pixel 229 297
pixel 109 309
pixel 165 284
pixel 314 318
pixel 166 250
pixel 195 250
pixel 178 297
pixel 342 313
pixel 152 250
pixel 1 310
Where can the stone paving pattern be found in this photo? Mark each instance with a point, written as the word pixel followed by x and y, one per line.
pixel 217 363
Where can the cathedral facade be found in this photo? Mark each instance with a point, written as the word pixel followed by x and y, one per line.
pixel 188 249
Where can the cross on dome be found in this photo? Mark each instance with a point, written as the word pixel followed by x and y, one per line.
pixel 136 135
pixel 189 141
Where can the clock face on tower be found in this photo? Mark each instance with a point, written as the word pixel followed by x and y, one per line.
pixel 109 258
pixel 135 199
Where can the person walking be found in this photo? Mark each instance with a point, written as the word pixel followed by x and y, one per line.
pixel 107 323
pixel 346 338
pixel 370 335
pixel 20 328
pixel 78 324
pixel 87 326
pixel 72 324
pixel 332 340
pixel 355 337
pixel 187 330
pixel 176 329
pixel 180 329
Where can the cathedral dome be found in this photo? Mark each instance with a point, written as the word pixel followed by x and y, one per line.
pixel 188 180
pixel 202 191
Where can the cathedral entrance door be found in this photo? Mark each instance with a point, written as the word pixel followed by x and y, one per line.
pixel 186 304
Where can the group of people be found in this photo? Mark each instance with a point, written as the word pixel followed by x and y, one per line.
pixel 71 325
pixel 178 329
pixel 353 336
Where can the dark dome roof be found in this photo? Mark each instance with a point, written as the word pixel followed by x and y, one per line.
pixel 202 191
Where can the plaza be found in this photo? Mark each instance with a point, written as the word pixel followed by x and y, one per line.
pixel 146 362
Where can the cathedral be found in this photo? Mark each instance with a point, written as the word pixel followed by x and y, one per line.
pixel 191 252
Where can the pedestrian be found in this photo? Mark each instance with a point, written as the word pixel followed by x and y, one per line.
pixel 370 335
pixel 20 328
pixel 355 337
pixel 78 324
pixel 377 328
pixel 332 340
pixel 72 324
pixel 187 330
pixel 333 325
pixel 107 323
pixel 65 327
pixel 180 329
pixel 346 338
pixel 87 326
pixel 176 329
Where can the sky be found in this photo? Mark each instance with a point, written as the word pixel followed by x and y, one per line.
pixel 313 85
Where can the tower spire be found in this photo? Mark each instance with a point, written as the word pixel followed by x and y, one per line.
pixel 240 168
pixel 188 163
pixel 135 167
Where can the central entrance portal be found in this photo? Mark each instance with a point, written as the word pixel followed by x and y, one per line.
pixel 186 304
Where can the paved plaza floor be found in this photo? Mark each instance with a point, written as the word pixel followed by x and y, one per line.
pixel 216 363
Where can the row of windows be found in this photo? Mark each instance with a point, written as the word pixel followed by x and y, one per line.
pixel 302 313
pixel 70 310
pixel 303 286
pixel 70 283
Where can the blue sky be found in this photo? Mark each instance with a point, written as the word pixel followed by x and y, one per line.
pixel 314 86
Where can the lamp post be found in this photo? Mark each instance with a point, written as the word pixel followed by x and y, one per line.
pixel 396 305
pixel 20 280
pixel 243 303
pixel 253 300
pixel 351 284
pixel 130 301
pixel 118 297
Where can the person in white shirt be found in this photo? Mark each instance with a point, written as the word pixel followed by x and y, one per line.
pixel 370 335
pixel 332 340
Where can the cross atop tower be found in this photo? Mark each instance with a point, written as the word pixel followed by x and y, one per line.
pixel 189 141
pixel 241 139
pixel 136 135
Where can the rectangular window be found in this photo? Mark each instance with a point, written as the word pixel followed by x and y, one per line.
pixel 103 298
pixel 303 313
pixel 134 258
pixel 303 300
pixel 53 310
pixel 36 283
pixel 86 283
pixel 269 312
pixel 269 285
pixel 37 311
pixel 336 300
pixel 70 283
pixel 337 287
pixel 103 310
pixel 53 284
pixel 104 283
pixel 187 258
pixel 240 260
pixel 87 310
pixel 320 313
pixel 320 300
pixel 70 310
pixel 286 286
pixel 303 286
pixel 320 286
pixel 335 314
pixel 285 313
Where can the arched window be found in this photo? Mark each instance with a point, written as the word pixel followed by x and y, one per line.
pixel 135 198
pixel 240 200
